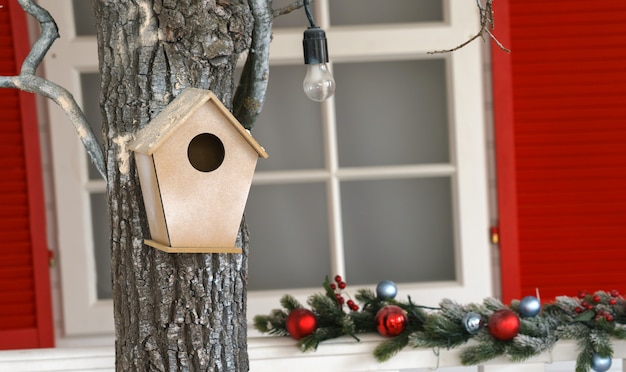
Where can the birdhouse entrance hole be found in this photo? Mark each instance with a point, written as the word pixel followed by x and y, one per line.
pixel 206 152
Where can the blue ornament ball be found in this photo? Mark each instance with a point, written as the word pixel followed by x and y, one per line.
pixel 473 323
pixel 600 363
pixel 386 290
pixel 529 306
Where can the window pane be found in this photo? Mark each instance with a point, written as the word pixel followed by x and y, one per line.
pixel 288 236
pixel 289 127
pixel 90 87
pixel 83 18
pixel 392 113
pixel 102 251
pixel 358 12
pixel 401 230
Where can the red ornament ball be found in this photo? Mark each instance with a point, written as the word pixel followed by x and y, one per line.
pixel 504 324
pixel 300 323
pixel 391 320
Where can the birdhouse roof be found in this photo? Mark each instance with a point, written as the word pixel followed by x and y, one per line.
pixel 148 139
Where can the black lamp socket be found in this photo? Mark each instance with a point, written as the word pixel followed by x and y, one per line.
pixel 315 46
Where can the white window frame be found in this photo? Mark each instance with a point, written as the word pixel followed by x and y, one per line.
pixel 84 314
pixel 467 125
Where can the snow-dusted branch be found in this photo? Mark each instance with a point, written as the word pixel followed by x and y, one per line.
pixel 29 82
pixel 250 94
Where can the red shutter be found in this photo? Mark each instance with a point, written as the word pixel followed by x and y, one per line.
pixel 560 117
pixel 25 310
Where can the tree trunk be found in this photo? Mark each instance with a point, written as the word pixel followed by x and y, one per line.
pixel 173 312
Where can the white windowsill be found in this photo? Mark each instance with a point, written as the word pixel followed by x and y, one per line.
pixel 281 354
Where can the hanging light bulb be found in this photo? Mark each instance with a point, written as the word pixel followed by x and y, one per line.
pixel 318 83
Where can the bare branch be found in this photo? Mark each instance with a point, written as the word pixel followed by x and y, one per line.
pixel 250 94
pixel 29 82
pixel 288 8
pixel 486 25
pixel 63 98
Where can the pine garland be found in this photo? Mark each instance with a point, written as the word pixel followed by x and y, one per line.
pixel 591 319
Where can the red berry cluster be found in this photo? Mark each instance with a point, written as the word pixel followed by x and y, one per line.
pixel 589 302
pixel 338 287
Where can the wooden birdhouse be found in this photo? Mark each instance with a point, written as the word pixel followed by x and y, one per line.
pixel 195 163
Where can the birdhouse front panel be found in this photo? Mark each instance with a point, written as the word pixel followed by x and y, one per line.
pixel 204 171
pixel 195 163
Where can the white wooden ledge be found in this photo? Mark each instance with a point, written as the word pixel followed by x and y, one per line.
pixel 278 354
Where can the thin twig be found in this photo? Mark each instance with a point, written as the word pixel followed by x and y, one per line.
pixel 486 24
pixel 289 8
pixel 29 82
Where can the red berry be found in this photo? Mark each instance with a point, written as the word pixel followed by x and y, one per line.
pixel 584 304
pixel 596 298
pixel 350 303
pixel 333 286
pixel 338 279
pixel 342 285
pixel 582 294
pixel 612 301
pixel 354 307
pixel 608 317
pixel 614 293
pixel 340 299
pixel 578 309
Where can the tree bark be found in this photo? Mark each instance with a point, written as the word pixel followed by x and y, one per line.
pixel 173 312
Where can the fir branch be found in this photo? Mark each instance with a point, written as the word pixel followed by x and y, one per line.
pixel 583 361
pixel 390 347
pixel 261 323
pixel 365 295
pixel 274 324
pixel 417 314
pixel 523 346
pixel 311 341
pixel 538 326
pixel 290 303
pixel 493 304
pixel 619 332
pixel 330 293
pixel 484 351
pixel 600 343
pixel 452 310
pixel 572 331
pixel 326 310
pixel 440 331
pixel 590 319
pixel 364 321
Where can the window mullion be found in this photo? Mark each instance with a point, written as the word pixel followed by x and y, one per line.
pixel 323 14
pixel 333 192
